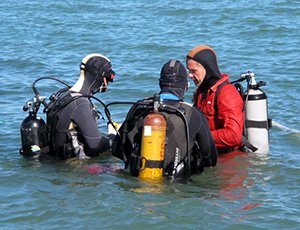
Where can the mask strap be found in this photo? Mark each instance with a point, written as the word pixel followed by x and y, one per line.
pixel 102 88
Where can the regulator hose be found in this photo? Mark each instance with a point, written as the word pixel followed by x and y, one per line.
pixel 108 115
pixel 36 92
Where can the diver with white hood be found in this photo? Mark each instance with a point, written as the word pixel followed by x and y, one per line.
pixel 71 117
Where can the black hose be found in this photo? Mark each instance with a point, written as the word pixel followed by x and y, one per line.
pixel 36 92
pixel 97 99
pixel 108 115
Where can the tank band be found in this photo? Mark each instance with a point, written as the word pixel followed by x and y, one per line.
pixel 257 97
pixel 257 124
pixel 154 164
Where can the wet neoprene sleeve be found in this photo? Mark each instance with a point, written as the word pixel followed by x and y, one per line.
pixel 83 116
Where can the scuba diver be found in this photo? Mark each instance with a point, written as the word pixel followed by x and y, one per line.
pixel 71 116
pixel 217 98
pixel 72 119
pixel 164 136
pixel 238 119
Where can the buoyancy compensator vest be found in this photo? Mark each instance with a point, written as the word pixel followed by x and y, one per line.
pixel 61 141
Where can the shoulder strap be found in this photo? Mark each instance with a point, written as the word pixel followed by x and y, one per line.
pixel 59 102
pixel 218 92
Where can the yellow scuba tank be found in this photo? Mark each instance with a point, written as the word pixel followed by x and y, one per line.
pixel 153 144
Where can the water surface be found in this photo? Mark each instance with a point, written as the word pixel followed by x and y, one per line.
pixel 49 38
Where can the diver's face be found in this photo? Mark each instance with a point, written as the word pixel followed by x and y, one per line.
pixel 196 71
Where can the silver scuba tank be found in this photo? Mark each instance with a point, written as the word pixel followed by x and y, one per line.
pixel 257 124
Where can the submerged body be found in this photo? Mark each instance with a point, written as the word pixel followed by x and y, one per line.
pixel 200 147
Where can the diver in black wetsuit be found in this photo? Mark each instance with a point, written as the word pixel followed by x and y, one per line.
pixel 177 160
pixel 71 116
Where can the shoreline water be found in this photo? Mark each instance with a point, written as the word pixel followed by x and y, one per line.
pixel 50 38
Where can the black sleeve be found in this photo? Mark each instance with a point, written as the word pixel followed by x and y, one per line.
pixel 83 116
pixel 121 147
pixel 205 140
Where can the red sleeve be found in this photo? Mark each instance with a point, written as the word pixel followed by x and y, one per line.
pixel 231 116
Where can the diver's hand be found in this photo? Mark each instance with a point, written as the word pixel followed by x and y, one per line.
pixel 111 129
pixel 81 154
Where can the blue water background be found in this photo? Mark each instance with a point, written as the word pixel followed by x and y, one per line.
pixel 49 38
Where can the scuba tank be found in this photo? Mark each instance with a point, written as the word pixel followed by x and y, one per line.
pixel 153 144
pixel 257 123
pixel 36 135
pixel 33 130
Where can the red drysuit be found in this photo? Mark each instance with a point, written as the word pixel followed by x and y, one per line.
pixel 226 124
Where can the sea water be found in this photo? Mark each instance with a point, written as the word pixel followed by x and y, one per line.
pixel 50 38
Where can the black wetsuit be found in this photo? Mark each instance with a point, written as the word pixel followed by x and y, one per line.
pixel 73 107
pixel 202 149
